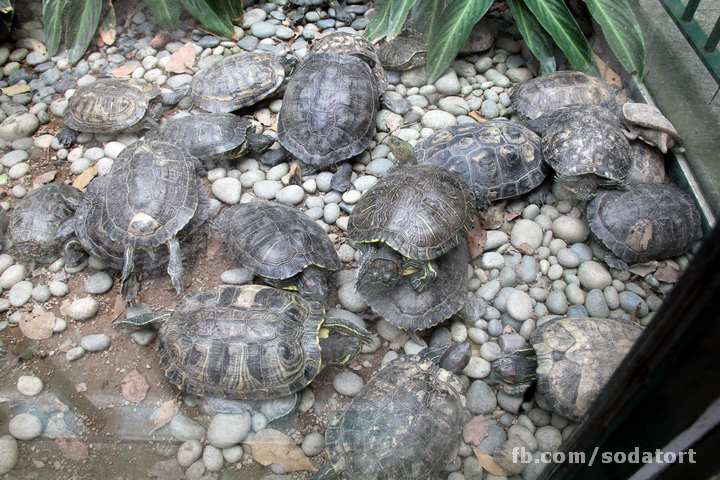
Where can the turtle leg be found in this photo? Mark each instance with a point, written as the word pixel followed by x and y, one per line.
pixel 175 266
pixel 367 252
pixel 274 156
pixel 66 136
pixel 614 262
pixel 258 143
pixel 127 271
pixel 426 273
pixel 342 340
pixel 340 12
pixel 299 14
pixel 341 180
pixel 482 197
pixel 74 252
pixel 171 99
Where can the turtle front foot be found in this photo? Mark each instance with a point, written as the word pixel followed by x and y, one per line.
pixel 66 137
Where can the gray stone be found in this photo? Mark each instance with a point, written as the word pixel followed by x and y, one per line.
pixel 83 308
pixel 226 430
pixel 313 444
pixel 477 368
pixel 348 383
pixel 8 453
pixel 213 458
pixel 548 438
pixel 25 426
pixel 20 293
pixel 13 158
pixel 350 299
pixel 497 78
pixel 19 125
pixel 228 190
pixel 98 283
pixel 496 437
pixel 596 305
pixel 290 195
pixel 557 302
pixel 267 188
pixel 183 428
pixel 519 306
pixel 12 275
pixel 95 343
pixel 507 454
pixel 509 403
pixel 526 231
pixel 237 276
pixel 525 435
pixel 481 399
pixel 75 353
pixel 570 229
pixel 189 452
pixel 630 300
pixel 438 119
pixel 594 275
pixel 29 385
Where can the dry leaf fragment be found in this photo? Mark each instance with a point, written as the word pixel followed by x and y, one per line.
pixel 15 89
pixel 213 245
pixel 134 387
pixel 72 448
pixel 475 430
pixel 44 178
pixel 160 40
pixel 476 238
pixel 166 413
pixel 489 463
pixel 122 71
pixel 668 274
pixel 526 249
pixel 182 60
pixel 271 446
pixel 38 328
pixel 493 217
pixel 264 117
pixel 644 269
pixel 85 177
pixel 119 307
pixel 477 116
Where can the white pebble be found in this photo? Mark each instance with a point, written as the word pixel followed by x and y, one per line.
pixel 29 385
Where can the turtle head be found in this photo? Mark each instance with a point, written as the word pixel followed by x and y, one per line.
pixel 456 357
pixel 342 340
pixel 583 186
pixel 289 64
pixel 312 282
pixel 516 368
pixel 402 150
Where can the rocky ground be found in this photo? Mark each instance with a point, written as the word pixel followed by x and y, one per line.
pixel 90 402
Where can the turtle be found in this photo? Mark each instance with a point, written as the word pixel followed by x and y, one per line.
pixel 215 138
pixel 548 92
pixel 402 53
pixel 408 219
pixel 239 81
pixel 647 123
pixel 498 159
pixel 406 422
pixel 41 224
pixel 339 6
pixel 249 342
pixel 480 39
pixel 648 163
pixel 328 112
pixel 111 105
pixel 586 147
pixel 152 191
pixel 646 221
pixel 571 359
pixel 281 244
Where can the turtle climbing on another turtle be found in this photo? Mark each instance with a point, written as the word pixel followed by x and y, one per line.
pixel 406 422
pixel 571 359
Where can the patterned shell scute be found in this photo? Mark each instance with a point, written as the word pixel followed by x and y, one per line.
pixel 109 105
pixel 276 240
pixel 237 81
pixel 405 308
pixel 246 343
pixel 648 163
pixel 587 139
pixel 344 43
pixel 36 218
pixel 576 357
pixel 211 135
pixel 505 157
pixel 422 211
pixel 150 193
pixel 329 109
pixel 553 90
pixel 647 221
pixel 405 423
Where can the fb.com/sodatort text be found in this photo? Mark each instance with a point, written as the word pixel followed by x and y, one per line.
pixel 521 455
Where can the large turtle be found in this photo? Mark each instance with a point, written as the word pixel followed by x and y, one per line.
pixel 152 192
pixel 405 423
pixel 498 158
pixel 408 219
pixel 40 224
pixel 281 244
pixel 571 359
pixel 111 105
pixel 328 112
pixel 239 80
pixel 248 342
pixel 646 221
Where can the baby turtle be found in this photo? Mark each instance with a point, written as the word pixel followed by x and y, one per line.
pixel 248 342
pixel 405 423
pixel 41 223
pixel 402 53
pixel 408 219
pixel 648 164
pixel 281 244
pixel 571 359
pixel 646 221
pixel 111 105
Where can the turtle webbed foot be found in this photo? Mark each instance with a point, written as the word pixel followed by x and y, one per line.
pixel 66 136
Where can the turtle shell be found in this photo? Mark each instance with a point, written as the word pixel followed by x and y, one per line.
pixel 648 163
pixel 646 221
pixel 344 43
pixel 402 53
pixel 649 116
pixel 405 423
pixel 237 81
pixel 548 92
pixel 275 240
pixel 110 105
pixel 329 109
pixel 35 220
pixel 421 211
pixel 479 40
pixel 247 342
pixel 405 308
pixel 501 156
pixel 576 357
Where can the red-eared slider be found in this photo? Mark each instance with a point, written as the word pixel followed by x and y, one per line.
pixel 111 105
pixel 151 193
pixel 215 138
pixel 407 220
pixel 553 90
pixel 239 81
pixel 248 342
pixel 646 221
pixel 406 422
pixel 572 360
pixel 38 226
pixel 328 112
pixel 587 148
pixel 343 43
pixel 339 7
pixel 497 158
pixel 402 53
pixel 281 244
pixel 648 163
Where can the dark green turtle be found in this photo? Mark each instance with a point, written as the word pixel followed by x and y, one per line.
pixel 571 359
pixel 406 422
pixel 281 244
pixel 111 105
pixel 248 342
pixel 402 53
pixel 40 224
pixel 645 221
pixel 408 219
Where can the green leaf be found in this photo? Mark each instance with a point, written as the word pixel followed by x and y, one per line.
pixel 83 19
pixel 165 12
pixel 450 27
pixel 555 17
pixel 621 31
pixel 210 15
pixel 108 24
pixel 7 12
pixel 233 8
pixel 3 178
pixel 52 19
pixel 389 18
pixel 536 37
